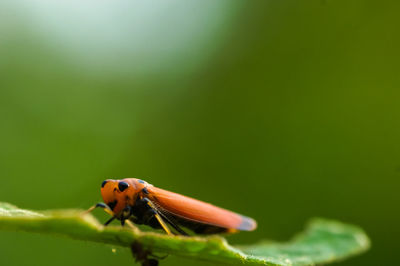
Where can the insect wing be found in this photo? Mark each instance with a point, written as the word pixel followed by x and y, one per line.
pixel 199 211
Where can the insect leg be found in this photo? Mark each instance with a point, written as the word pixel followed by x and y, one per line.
pixel 106 208
pixel 163 225
pixel 125 214
pixel 174 225
pixel 102 205
pixel 158 217
pixel 110 220
pixel 156 210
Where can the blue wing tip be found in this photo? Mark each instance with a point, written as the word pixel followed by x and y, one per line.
pixel 248 224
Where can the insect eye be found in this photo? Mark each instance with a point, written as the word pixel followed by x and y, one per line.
pixel 104 183
pixel 122 186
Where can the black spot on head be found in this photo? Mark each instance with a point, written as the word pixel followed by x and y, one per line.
pixel 145 191
pixel 122 186
pixel 104 183
pixel 112 204
pixel 141 181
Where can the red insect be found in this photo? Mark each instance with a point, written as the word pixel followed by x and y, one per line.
pixel 142 203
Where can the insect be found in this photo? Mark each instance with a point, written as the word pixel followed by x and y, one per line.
pixel 142 203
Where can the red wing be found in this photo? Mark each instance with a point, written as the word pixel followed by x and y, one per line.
pixel 199 211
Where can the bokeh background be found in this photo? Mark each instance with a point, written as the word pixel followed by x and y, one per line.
pixel 280 110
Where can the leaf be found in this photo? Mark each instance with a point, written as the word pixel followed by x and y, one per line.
pixel 322 242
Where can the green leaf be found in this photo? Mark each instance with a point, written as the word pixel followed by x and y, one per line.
pixel 322 242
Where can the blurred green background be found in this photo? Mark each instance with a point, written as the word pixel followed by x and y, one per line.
pixel 280 110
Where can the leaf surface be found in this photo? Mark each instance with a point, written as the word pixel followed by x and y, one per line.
pixel 323 241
